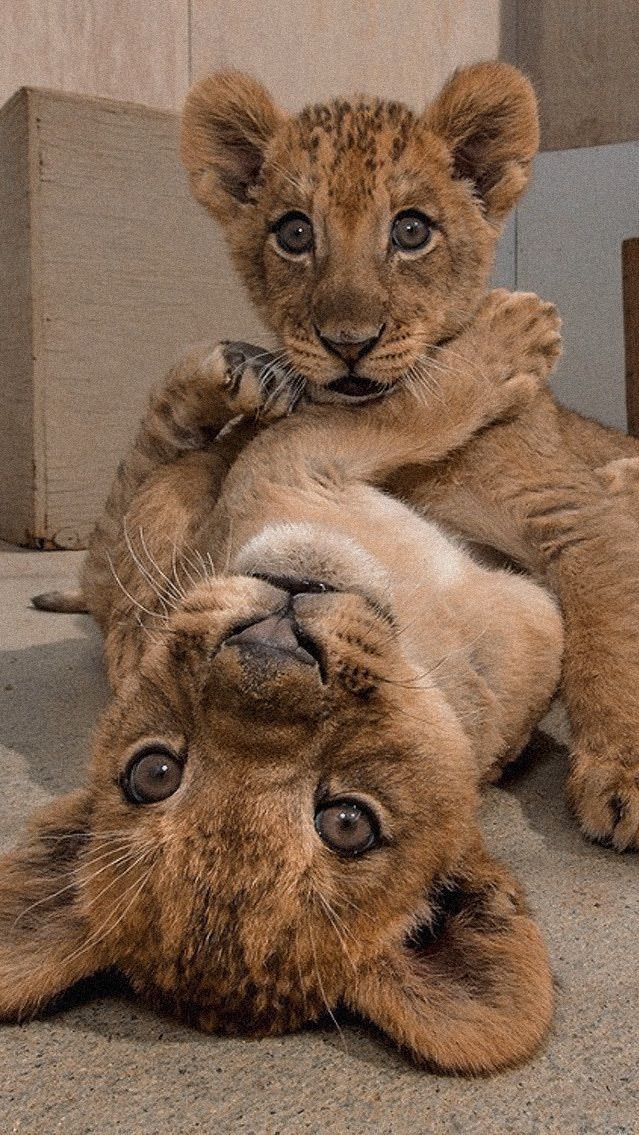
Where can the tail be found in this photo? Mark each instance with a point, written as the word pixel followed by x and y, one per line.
pixel 71 602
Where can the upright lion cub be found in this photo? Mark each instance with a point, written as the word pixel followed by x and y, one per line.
pixel 365 234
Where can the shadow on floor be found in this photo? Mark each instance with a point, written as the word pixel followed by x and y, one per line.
pixel 51 696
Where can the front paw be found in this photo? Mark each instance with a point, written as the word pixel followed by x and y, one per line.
pixel 520 335
pixel 254 382
pixel 605 797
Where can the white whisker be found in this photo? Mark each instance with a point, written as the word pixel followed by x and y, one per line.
pixel 175 591
pixel 146 575
pixel 135 602
pixel 321 989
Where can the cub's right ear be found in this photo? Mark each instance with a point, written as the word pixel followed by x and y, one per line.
pixel 228 121
pixel 471 990
pixel 45 940
pixel 487 116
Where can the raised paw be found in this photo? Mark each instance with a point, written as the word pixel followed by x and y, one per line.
pixel 605 798
pixel 254 381
pixel 523 333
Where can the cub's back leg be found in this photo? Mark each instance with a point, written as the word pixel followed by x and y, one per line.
pixel 517 634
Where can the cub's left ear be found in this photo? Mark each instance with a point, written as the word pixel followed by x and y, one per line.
pixel 45 940
pixel 228 121
pixel 487 116
pixel 471 991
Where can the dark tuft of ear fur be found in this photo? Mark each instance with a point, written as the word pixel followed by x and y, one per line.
pixel 471 992
pixel 487 116
pixel 44 943
pixel 228 121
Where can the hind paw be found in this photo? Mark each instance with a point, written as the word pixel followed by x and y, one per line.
pixel 605 797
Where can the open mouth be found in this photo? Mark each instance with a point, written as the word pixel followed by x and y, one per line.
pixel 294 585
pixel 353 387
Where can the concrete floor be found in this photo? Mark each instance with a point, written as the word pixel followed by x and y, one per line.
pixel 106 1065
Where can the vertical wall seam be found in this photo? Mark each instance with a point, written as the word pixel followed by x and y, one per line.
pixel 189 33
pixel 38 318
pixel 516 218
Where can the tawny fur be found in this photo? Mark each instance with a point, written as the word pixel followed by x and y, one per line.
pixel 529 488
pixel 222 904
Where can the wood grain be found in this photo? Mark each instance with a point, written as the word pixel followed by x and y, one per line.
pixel 584 61
pixel 630 276
pixel 17 457
pixel 126 273
pixel 123 49
pixel 402 49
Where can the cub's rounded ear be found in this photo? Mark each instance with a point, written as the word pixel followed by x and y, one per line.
pixel 471 990
pixel 487 116
pixel 228 121
pixel 46 943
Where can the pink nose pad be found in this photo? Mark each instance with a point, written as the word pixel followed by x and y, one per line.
pixel 276 633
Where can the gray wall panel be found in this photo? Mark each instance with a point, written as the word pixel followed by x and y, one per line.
pixel 505 270
pixel 570 226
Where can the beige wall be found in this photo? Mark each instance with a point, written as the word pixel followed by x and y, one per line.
pixel 149 50
pixel 123 49
pixel 582 54
pixel 305 51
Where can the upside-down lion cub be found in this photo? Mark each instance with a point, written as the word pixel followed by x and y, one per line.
pixel 365 234
pixel 310 681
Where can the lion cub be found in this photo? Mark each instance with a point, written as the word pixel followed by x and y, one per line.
pixel 365 234
pixel 310 681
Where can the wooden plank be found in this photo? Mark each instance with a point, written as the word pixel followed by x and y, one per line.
pixel 133 272
pixel 16 369
pixel 630 276
pixel 584 61
pixel 121 49
pixel 402 49
pixel 126 272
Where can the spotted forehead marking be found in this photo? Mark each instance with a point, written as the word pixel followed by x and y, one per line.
pixel 350 141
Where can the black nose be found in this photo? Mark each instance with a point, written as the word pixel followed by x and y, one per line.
pixel 351 346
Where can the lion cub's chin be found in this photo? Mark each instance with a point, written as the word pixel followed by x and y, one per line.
pixel 310 551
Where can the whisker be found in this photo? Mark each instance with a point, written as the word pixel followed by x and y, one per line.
pixel 195 562
pixel 121 855
pixel 184 560
pixel 321 988
pixel 229 547
pixel 174 591
pixel 136 858
pixel 135 602
pixel 202 561
pixel 108 925
pixel 338 926
pixel 146 575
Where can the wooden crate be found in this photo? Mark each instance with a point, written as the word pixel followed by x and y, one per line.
pixel 109 271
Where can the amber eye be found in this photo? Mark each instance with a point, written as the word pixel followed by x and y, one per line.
pixel 346 826
pixel 294 234
pixel 152 775
pixel 411 231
